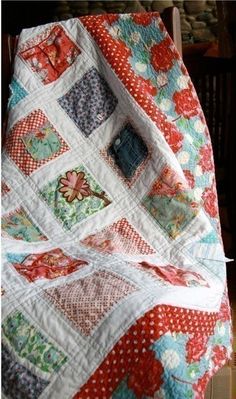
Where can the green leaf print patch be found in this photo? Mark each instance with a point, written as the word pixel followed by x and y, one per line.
pixel 74 196
pixel 31 344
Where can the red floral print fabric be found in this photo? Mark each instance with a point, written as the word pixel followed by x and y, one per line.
pixel 52 56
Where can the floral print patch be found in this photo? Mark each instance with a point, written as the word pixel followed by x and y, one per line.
pixel 169 352
pixel 17 381
pixel 33 141
pixel 49 265
pixel 186 103
pixel 52 55
pixel 205 159
pixel 171 203
pixel 173 275
pixel 19 226
pixel 210 202
pixel 43 143
pixel 17 93
pixel 31 344
pixel 120 237
pixel 162 56
pixel 128 150
pixel 87 300
pixel 74 196
pixel 89 102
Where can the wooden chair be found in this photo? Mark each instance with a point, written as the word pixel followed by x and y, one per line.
pixel 171 20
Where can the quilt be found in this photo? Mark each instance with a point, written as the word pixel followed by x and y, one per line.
pixel 113 280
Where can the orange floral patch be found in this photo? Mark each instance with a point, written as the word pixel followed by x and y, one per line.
pixel 48 265
pixel 52 56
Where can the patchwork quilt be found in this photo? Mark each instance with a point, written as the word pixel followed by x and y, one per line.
pixel 113 280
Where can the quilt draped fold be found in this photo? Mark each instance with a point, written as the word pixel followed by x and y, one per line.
pixel 113 276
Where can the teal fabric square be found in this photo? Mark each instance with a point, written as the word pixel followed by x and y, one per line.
pixel 18 225
pixel 17 93
pixel 42 143
pixel 172 213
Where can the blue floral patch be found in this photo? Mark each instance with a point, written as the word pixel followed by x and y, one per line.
pixel 173 214
pixel 89 102
pixel 17 93
pixel 15 258
pixel 128 150
pixel 17 381
pixel 18 225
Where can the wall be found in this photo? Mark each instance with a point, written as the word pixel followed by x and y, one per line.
pixel 198 18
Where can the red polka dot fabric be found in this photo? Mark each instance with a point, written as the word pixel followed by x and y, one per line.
pixel 132 351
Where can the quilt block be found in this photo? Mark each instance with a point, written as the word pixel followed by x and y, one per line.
pixel 18 225
pixel 49 265
pixel 31 344
pixel 18 380
pixel 50 54
pixel 120 237
pixel 33 142
pixel 128 151
pixel 89 102
pixel 84 302
pixel 77 196
pixel 170 203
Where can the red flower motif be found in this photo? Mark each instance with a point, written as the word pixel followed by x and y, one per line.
pixel 185 103
pixel 162 57
pixel 206 158
pixel 168 184
pixel 110 18
pixel 201 384
pixel 142 18
pixel 40 134
pixel 75 186
pixel 173 137
pixel 220 355
pixel 196 347
pixel 148 87
pixel 146 378
pixel 210 201
pixel 190 178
